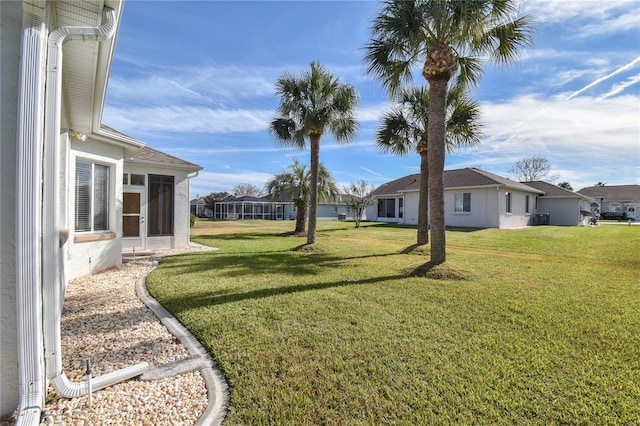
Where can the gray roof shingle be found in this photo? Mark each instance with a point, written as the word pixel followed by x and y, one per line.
pixel 459 178
pixel 153 155
pixel 551 190
pixel 625 193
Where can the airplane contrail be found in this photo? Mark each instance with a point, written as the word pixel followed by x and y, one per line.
pixel 601 79
pixel 617 88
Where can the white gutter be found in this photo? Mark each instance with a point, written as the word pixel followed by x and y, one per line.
pixel 54 237
pixel 31 381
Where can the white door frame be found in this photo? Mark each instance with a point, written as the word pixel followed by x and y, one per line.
pixel 139 242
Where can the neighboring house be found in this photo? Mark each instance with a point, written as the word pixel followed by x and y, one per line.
pixel 618 199
pixel 248 207
pixel 563 207
pixel 251 208
pixel 473 198
pixel 75 193
pixel 199 208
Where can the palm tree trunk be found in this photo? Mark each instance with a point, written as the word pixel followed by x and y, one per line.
pixel 423 197
pixel 313 196
pixel 300 218
pixel 436 138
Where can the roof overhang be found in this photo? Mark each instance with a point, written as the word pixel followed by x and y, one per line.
pixel 184 167
pixel 497 186
pixel 129 145
pixel 86 63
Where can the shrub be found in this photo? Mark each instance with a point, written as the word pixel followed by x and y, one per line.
pixel 613 215
pixel 192 220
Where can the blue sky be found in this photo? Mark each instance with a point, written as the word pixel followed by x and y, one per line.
pixel 196 79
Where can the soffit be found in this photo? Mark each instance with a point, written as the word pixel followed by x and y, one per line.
pixel 86 63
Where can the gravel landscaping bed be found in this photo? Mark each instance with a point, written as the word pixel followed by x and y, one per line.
pixel 104 320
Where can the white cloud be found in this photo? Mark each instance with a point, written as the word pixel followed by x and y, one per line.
pixel 203 119
pixel 611 15
pixel 614 121
pixel 187 119
pixel 199 84
pixel 571 133
pixel 207 182
pixel 373 112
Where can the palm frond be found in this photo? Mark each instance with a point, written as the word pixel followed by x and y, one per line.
pixel 396 135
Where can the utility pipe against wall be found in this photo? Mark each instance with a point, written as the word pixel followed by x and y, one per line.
pixel 54 282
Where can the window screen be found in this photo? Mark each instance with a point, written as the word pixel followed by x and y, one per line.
pixel 161 193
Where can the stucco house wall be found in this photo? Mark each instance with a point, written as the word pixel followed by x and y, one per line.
pixel 484 212
pixel 562 212
pixel 331 211
pixel 409 208
pixel 564 207
pixel 92 252
pixel 10 25
pixel 518 217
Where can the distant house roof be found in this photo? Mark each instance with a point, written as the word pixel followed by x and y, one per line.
pixel 247 198
pixel 624 193
pixel 554 191
pixel 459 178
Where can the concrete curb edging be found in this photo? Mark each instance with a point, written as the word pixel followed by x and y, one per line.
pixel 217 388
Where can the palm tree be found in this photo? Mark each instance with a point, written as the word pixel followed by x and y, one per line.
pixel 447 39
pixel 295 182
pixel 404 129
pixel 310 105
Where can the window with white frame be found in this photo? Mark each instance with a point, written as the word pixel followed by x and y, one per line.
pixel 133 179
pixel 508 202
pixel 92 197
pixel 462 202
pixel 527 202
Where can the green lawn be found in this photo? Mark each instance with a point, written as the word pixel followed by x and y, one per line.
pixel 544 329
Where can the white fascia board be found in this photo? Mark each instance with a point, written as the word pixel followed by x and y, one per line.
pixel 497 185
pixel 130 145
pixel 103 68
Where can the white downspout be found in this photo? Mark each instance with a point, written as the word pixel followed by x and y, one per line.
pixel 54 282
pixel 31 381
pixel 189 177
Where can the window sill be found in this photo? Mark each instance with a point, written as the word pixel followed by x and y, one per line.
pixel 463 213
pixel 85 238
